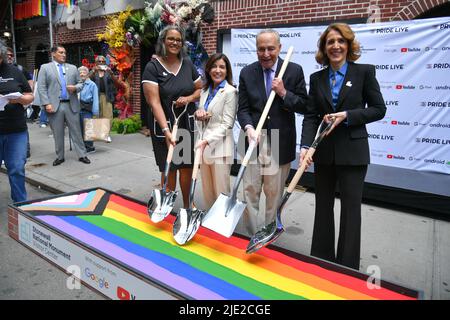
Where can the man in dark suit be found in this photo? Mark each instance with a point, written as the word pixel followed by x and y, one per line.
pixel 58 83
pixel 277 146
pixel 342 92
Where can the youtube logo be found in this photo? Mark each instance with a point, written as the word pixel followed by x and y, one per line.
pixel 399 87
pixel 390 156
pixel 394 122
pixel 123 294
pixel 404 50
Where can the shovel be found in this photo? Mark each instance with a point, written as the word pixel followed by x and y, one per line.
pixel 227 210
pixel 161 201
pixel 273 230
pixel 188 220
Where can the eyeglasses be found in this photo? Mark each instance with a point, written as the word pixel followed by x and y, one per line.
pixel 101 61
pixel 10 54
pixel 173 40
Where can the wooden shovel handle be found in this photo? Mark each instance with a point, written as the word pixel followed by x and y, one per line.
pixel 300 170
pixel 171 147
pixel 197 159
pixel 272 93
pixel 267 107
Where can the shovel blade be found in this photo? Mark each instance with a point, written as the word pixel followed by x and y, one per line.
pixel 264 237
pixel 224 215
pixel 186 225
pixel 161 204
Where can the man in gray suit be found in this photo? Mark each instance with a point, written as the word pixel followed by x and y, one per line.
pixel 57 87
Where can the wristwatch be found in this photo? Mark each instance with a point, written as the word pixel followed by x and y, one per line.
pixel 165 129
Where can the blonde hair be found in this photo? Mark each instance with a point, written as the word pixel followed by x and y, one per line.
pixel 354 50
pixel 99 57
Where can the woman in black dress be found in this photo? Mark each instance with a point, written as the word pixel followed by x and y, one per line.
pixel 172 77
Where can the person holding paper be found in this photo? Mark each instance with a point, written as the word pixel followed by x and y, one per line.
pixel 340 91
pixel 10 59
pixel 10 56
pixel 57 86
pixel 277 148
pixel 13 126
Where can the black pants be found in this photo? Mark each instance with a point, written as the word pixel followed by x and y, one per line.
pixel 350 180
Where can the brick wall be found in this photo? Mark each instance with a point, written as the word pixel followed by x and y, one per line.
pixel 260 13
pixel 13 222
pixel 31 39
pixel 88 32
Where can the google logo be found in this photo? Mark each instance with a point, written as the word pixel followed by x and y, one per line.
pixel 100 281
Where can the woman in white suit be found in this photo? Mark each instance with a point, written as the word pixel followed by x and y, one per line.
pixel 219 101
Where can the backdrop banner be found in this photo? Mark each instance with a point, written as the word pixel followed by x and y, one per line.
pixel 412 59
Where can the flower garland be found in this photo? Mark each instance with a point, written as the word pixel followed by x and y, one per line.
pixel 114 34
pixel 144 27
pixel 120 58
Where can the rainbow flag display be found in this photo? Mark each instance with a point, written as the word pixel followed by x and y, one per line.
pixel 209 267
pixel 25 9
pixel 68 3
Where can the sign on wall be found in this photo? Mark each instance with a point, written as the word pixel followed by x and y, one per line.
pixel 412 60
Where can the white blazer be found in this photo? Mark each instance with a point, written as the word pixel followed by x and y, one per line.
pixel 219 131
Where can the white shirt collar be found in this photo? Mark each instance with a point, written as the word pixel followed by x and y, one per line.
pixel 57 63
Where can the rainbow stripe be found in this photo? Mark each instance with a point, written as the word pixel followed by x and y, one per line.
pixel 210 266
pixel 83 203
pixel 43 8
pixel 67 3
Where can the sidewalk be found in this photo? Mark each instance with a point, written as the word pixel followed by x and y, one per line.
pixel 410 250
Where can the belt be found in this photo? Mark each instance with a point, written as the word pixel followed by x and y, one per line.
pixel 64 100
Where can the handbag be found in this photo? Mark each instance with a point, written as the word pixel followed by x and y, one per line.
pixel 86 105
pixel 96 129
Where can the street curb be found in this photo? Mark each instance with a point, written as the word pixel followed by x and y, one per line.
pixel 37 184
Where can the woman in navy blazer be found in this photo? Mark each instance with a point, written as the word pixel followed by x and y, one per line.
pixel 350 93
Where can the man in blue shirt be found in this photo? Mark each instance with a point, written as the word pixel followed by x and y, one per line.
pixel 88 103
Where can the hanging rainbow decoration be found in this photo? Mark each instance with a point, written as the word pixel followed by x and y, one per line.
pixel 25 9
pixel 68 3
pixel 209 267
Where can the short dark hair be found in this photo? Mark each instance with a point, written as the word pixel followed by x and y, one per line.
pixel 55 48
pixel 209 65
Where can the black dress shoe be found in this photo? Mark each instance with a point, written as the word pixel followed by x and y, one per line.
pixel 85 160
pixel 57 162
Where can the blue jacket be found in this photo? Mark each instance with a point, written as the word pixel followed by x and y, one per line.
pixel 89 93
